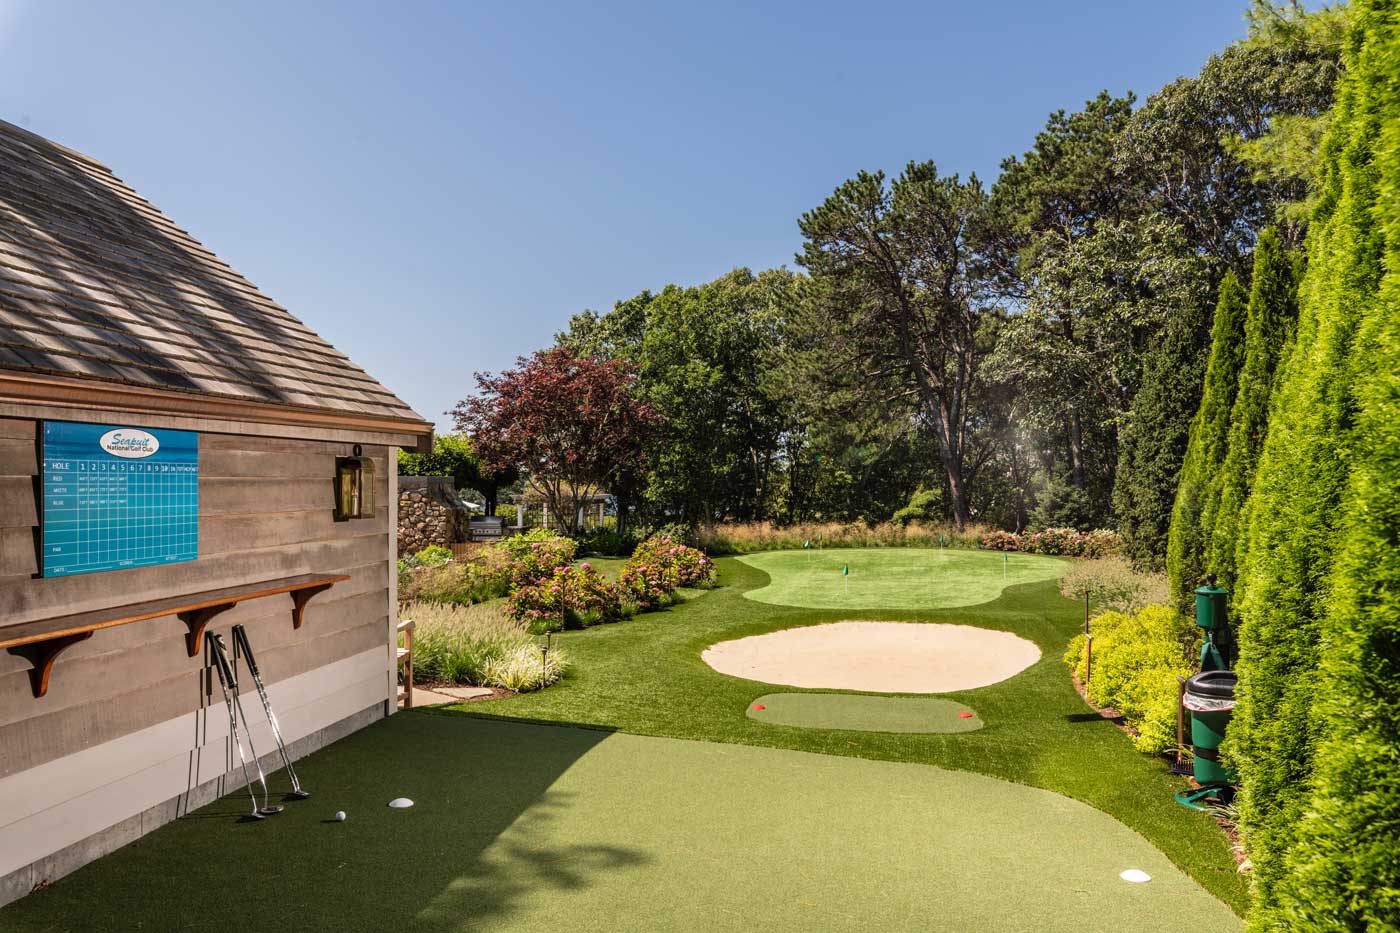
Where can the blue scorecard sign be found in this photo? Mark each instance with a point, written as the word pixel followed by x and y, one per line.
pixel 118 497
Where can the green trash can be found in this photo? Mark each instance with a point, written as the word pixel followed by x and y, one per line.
pixel 1210 696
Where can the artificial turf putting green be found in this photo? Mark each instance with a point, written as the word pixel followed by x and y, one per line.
pixel 528 827
pixel 646 676
pixel 859 713
pixel 893 578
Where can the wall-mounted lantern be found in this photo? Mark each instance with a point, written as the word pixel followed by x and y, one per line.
pixel 354 487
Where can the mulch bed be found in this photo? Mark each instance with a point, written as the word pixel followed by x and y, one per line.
pixel 497 693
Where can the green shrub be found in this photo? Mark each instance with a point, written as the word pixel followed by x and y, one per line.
pixel 1191 514
pixel 476 645
pixel 1317 732
pixel 1273 313
pixel 433 554
pixel 1153 436
pixel 487 574
pixel 606 542
pixel 1137 658
pixel 924 505
pixel 537 554
pixel 1112 583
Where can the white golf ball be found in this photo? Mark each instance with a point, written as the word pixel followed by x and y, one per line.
pixel 1135 875
pixel 340 816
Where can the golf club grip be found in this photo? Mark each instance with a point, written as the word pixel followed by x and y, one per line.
pixel 240 635
pixel 221 660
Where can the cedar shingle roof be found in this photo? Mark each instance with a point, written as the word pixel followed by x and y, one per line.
pixel 97 283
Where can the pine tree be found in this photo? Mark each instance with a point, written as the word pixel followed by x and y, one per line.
pixel 1206 444
pixel 1344 871
pixel 1273 312
pixel 1153 440
pixel 1341 872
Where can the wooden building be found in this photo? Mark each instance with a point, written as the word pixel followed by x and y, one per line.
pixel 170 446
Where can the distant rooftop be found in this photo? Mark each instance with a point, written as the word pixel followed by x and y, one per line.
pixel 97 284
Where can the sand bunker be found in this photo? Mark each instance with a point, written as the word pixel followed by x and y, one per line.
pixel 877 657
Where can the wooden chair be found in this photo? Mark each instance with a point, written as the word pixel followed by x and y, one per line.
pixel 405 658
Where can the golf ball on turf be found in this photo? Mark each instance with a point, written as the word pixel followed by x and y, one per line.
pixel 340 816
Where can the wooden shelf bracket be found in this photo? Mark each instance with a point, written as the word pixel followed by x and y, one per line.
pixel 195 620
pixel 42 655
pixel 299 600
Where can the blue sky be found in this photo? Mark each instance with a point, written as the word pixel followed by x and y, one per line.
pixel 436 187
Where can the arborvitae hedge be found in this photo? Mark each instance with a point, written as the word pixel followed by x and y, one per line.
pixel 1205 448
pixel 1273 312
pixel 1342 872
pixel 1153 439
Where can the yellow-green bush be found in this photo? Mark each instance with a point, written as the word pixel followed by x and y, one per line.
pixel 1137 659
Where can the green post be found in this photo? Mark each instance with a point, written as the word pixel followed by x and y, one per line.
pixel 1210 616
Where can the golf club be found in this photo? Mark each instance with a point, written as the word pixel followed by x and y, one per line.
pixel 230 686
pixel 241 646
pixel 232 723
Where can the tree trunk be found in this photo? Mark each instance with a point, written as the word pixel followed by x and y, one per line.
pixel 950 452
pixel 1076 450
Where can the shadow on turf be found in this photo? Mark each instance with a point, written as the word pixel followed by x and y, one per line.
pixel 437 866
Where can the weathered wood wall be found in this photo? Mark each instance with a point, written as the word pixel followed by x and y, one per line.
pixel 265 512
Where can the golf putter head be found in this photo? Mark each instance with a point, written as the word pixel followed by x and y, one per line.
pixel 297 794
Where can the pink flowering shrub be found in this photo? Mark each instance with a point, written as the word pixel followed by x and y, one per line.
pixel 536 557
pixel 1065 542
pixel 659 566
pixel 693 568
pixel 570 597
pixel 648 583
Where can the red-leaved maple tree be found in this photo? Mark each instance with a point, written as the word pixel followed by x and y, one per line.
pixel 572 424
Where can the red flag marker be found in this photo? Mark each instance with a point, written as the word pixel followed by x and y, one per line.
pixel 759 706
pixel 964 715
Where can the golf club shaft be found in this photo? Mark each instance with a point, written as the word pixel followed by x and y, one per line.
pixel 220 665
pixel 221 654
pixel 240 638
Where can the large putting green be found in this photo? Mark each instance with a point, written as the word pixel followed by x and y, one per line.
pixel 893 578
pixel 646 676
pixel 528 827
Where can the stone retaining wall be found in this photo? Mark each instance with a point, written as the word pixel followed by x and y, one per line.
pixel 430 512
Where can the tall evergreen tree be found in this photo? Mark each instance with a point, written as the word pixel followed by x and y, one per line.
pixel 1291 550
pixel 1152 444
pixel 1205 446
pixel 1344 870
pixel 1273 313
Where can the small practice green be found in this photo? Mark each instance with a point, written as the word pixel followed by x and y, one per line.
pixel 859 713
pixel 893 578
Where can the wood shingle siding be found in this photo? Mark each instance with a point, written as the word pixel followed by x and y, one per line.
pixel 265 512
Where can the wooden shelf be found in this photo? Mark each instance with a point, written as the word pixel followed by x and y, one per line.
pixel 41 642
